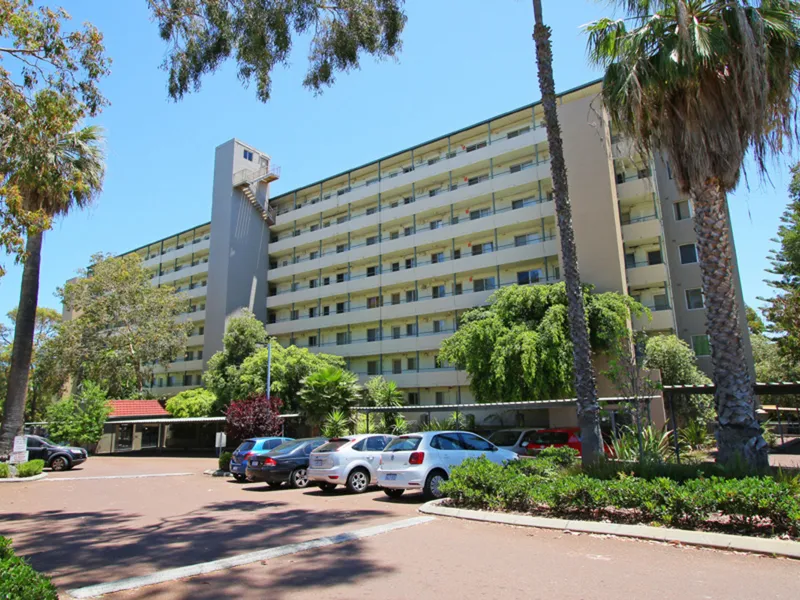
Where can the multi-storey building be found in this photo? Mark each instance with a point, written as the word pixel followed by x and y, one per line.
pixel 377 263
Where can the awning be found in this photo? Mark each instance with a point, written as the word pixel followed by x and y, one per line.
pixel 529 405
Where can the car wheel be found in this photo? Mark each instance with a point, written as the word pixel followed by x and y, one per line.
pixel 393 493
pixel 239 477
pixel 358 481
pixel 59 463
pixel 274 484
pixel 298 479
pixel 432 488
pixel 327 487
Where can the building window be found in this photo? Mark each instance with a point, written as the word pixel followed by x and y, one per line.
pixel 372 271
pixel 372 367
pixel 701 345
pixel 438 326
pixel 437 257
pixel 341 338
pixel 397 366
pixel 412 364
pixel 396 298
pixel 295 315
pixel 393 235
pixel 342 219
pixel 630 260
pixel 372 240
pixel 413 398
pixel 437 291
pixel 694 299
pixel 187 380
pixel 372 210
pixel 373 302
pixel 312 283
pixel 339 308
pixel 526 277
pixel 439 398
pixel 485 284
pixel 312 340
pixel 411 329
pixel 340 278
pixel 248 155
pixel 688 254
pixel 314 227
pixel 683 210
pixel 437 224
pixel 484 248
pixel 409 263
pixel 326 310
pixel 479 213
pixel 326 281
pixel 456 253
pixel 395 267
pixel 313 255
pixel 201 330
pixel 458 289
pixel 396 333
pixel 312 312
pixel 411 295
pixel 654 257
pixel 372 335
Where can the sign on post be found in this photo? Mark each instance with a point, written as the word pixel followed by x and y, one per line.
pixel 20 445
pixel 19 453
pixel 221 439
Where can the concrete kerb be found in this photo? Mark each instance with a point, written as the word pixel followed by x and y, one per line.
pixel 722 541
pixel 217 473
pixel 23 479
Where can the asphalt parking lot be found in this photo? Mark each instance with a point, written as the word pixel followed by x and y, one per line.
pixel 87 527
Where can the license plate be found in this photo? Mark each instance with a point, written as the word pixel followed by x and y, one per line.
pixel 317 462
pixel 253 463
pixel 391 476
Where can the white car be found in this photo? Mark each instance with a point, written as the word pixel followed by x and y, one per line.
pixel 351 461
pixel 422 461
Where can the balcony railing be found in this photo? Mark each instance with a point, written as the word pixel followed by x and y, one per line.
pixel 248 176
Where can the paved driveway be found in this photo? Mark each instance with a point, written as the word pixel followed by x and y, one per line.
pixel 89 531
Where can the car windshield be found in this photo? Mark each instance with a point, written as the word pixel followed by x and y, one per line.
pixel 504 438
pixel 287 447
pixel 245 446
pixel 332 446
pixel 403 444
pixel 46 442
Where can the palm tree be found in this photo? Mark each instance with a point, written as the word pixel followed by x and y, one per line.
pixel 53 168
pixel 704 82
pixel 326 390
pixel 585 388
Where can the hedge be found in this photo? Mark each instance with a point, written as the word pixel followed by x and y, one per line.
pixel 5 471
pixel 19 580
pixel 711 502
pixel 225 461
pixel 30 468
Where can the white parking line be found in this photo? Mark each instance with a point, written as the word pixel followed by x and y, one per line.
pixel 131 583
pixel 118 477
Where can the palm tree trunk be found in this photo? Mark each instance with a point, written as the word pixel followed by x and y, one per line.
pixel 14 408
pixel 585 389
pixel 738 431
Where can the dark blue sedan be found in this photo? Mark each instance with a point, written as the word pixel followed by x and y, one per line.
pixel 249 449
pixel 288 463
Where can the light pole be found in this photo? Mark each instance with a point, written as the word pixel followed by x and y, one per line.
pixel 269 368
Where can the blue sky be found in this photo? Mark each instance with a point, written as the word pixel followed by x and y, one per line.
pixel 462 61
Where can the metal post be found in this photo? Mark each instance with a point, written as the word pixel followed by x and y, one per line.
pixel 269 368
pixel 780 425
pixel 613 423
pixel 674 428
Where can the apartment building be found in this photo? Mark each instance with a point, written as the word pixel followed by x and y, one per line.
pixel 376 264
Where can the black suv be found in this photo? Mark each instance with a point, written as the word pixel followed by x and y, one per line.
pixel 58 458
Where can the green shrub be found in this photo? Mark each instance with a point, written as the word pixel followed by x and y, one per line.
pixel 5 471
pixel 563 457
pixel 30 468
pixel 225 461
pixel 19 580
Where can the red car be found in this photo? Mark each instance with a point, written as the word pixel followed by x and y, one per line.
pixel 556 437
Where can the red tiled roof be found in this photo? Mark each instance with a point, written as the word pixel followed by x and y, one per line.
pixel 136 408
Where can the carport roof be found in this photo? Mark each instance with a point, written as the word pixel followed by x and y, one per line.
pixel 529 404
pixel 136 408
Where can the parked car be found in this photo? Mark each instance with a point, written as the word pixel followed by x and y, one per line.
pixel 250 448
pixel 351 461
pixel 286 463
pixel 557 437
pixel 422 461
pixel 512 439
pixel 55 456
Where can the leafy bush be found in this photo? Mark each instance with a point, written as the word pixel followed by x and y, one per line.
pixel 225 461
pixel 563 457
pixel 336 424
pixel 695 435
pixel 192 403
pixel 5 471
pixel 688 502
pixel 79 419
pixel 253 417
pixel 19 580
pixel 30 468
pixel 655 444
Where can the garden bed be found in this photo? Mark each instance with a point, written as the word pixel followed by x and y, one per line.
pixel 690 498
pixel 27 471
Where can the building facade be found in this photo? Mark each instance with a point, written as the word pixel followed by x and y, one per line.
pixel 376 264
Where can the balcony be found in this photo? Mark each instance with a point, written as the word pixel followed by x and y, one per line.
pixel 424 378
pixel 388 345
pixel 634 187
pixel 644 274
pixel 181 272
pixel 642 228
pixel 198 315
pixel 195 246
pixel 663 319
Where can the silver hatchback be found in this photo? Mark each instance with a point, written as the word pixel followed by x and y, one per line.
pixel 351 461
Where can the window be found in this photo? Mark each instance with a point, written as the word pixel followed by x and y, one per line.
pixel 248 155
pixel 408 200
pixel 408 231
pixel 411 295
pixel 473 442
pixel 395 267
pixel 412 364
pixel 437 362
pixel 683 210
pixel 437 224
pixel 437 291
pixel 411 329
pixel 437 257
pixel 326 281
pixel 694 299
pixel 518 167
pixel 199 354
pixel 394 205
pixel 372 271
pixel 314 227
pixel 295 315
pixel 456 253
pixel 409 263
pixel 201 330
pixel 189 355
pixel 373 302
pixel 479 213
pixel 341 338
pixel 395 333
pixel 701 345
pixel 397 366
pixel 372 335
pixel 340 278
pixel 326 310
pixel 520 240
pixel 526 277
pixel 458 289
pixel 372 240
pixel 313 255
pixel 660 302
pixel 312 312
pixel 438 326
pixel 396 298
pixel 630 260
pixel 339 308
pixel 482 285
pixel 447 441
pixel 476 146
pixel 312 340
pixel 688 254
pixel 372 210
pixel 341 248
pixel 413 400
pixel 342 219
pixel 312 283
pixel 484 248
pixel 394 235
pixel 439 398
pixel 376 443
pixel 517 204
pixel 372 367
pixel 654 257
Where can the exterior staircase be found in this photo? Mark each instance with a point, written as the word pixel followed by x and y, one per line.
pixel 248 179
